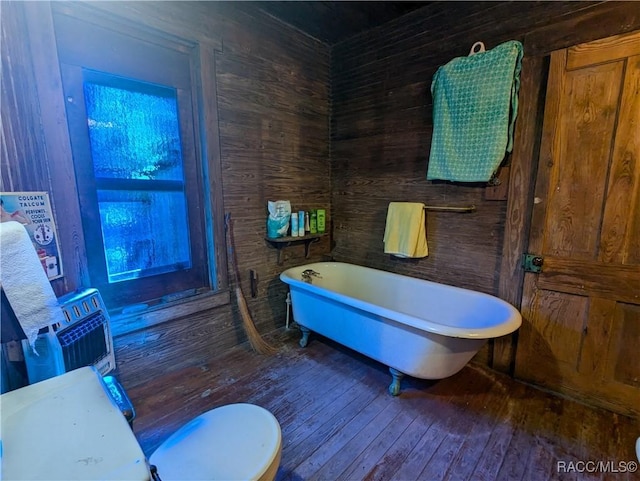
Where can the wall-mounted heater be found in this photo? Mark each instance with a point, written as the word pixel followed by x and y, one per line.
pixel 82 338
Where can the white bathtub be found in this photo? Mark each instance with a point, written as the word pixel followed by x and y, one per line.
pixel 416 327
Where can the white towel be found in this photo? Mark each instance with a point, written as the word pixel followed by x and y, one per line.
pixel 24 281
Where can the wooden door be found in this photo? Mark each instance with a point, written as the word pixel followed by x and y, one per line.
pixel 581 329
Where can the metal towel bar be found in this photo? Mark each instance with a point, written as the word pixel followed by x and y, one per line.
pixel 444 208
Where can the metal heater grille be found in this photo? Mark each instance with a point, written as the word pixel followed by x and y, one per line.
pixel 84 343
pixel 82 338
pixel 85 336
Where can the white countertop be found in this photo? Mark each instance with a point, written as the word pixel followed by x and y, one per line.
pixel 67 428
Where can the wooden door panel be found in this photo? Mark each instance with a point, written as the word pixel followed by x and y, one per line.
pixel 584 347
pixel 581 314
pixel 599 327
pixel 575 197
pixel 553 342
pixel 626 363
pixel 613 281
pixel 603 51
pixel 561 321
pixel 611 347
pixel 620 239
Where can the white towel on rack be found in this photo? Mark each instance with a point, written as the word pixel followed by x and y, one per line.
pixel 24 281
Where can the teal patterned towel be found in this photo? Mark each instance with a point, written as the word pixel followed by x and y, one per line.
pixel 472 99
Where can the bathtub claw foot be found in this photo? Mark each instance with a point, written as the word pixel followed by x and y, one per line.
pixel 394 387
pixel 305 336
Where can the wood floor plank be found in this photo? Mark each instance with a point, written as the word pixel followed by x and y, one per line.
pixel 323 453
pixel 301 442
pixel 339 422
pixel 396 454
pixel 367 460
pixel 422 453
pixel 541 464
pixel 442 458
pixel 575 451
pixel 314 399
pixel 344 399
pixel 472 449
pixel 214 391
pixel 476 400
pixel 341 460
pixel 493 455
pixel 516 456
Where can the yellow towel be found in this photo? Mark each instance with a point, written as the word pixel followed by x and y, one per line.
pixel 405 234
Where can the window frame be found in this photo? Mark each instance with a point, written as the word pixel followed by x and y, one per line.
pixel 201 76
pixel 145 289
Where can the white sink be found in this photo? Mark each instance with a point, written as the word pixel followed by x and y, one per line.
pixel 67 427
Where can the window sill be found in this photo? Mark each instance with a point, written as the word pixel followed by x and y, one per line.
pixel 122 324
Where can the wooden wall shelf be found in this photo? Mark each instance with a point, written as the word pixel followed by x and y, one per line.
pixel 282 242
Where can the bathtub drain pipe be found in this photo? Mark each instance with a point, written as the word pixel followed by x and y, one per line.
pixel 288 302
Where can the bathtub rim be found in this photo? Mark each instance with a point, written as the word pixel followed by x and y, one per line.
pixel 508 326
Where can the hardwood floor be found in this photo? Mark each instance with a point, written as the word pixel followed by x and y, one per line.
pixel 339 422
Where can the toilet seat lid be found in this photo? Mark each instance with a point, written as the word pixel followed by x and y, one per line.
pixel 236 441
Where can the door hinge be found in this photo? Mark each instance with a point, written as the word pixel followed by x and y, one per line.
pixel 532 262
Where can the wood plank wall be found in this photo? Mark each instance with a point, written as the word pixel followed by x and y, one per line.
pixel 19 136
pixel 273 105
pixel 277 91
pixel 381 134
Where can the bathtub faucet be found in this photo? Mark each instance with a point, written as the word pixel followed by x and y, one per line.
pixel 308 274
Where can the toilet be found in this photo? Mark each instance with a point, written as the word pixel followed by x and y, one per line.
pixel 233 442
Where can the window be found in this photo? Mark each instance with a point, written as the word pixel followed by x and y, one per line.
pixel 141 184
pixel 137 162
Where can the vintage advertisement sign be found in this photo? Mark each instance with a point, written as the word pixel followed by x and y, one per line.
pixel 33 211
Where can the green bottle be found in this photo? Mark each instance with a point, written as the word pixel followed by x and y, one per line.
pixel 320 219
pixel 313 222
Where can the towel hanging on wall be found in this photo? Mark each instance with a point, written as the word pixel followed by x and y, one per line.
pixel 475 103
pixel 405 232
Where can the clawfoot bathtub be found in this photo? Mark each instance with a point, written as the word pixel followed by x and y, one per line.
pixel 416 327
